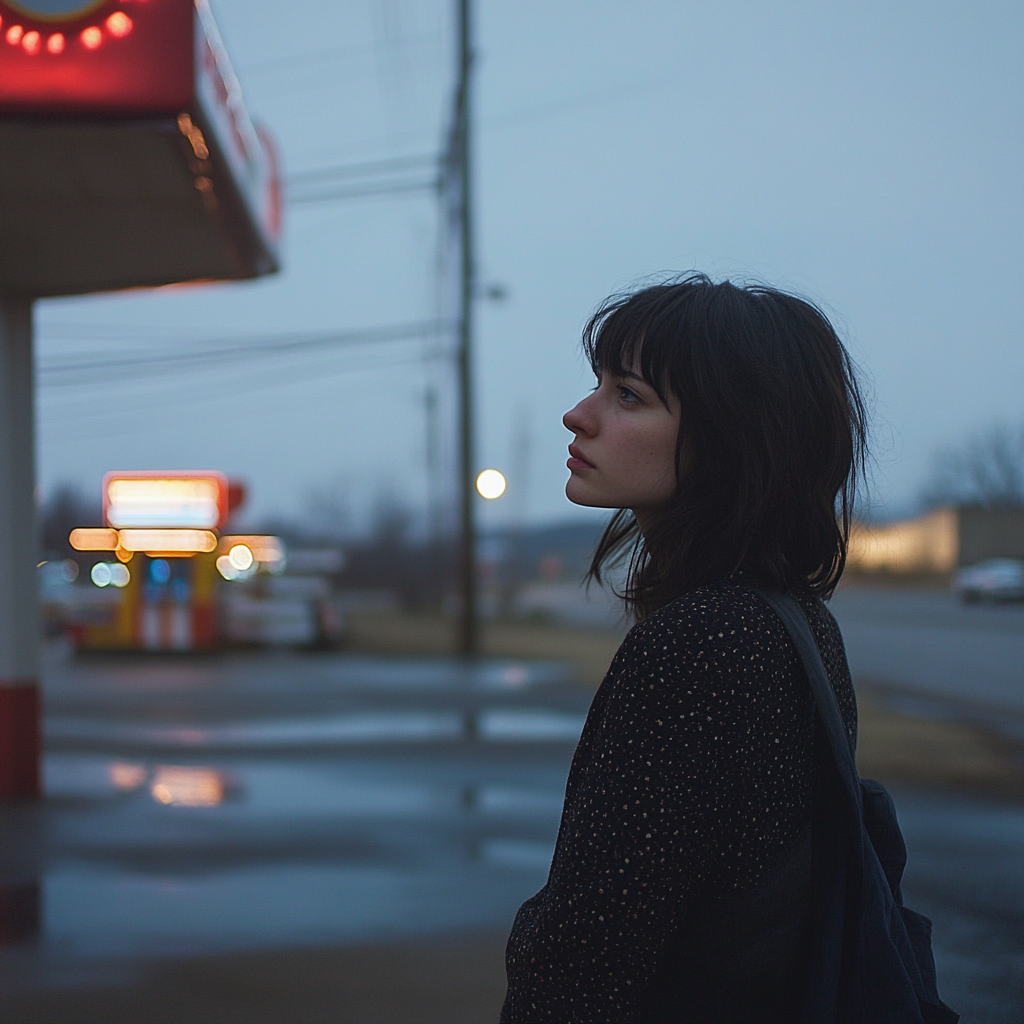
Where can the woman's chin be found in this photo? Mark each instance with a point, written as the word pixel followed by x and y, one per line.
pixel 582 495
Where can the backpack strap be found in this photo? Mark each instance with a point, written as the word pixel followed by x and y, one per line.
pixel 793 617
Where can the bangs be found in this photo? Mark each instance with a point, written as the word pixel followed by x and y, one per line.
pixel 637 334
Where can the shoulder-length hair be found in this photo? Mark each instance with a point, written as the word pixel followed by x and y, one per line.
pixel 771 442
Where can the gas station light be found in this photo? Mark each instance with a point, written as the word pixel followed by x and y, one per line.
pixel 240 556
pixel 156 500
pixel 185 542
pixel 226 569
pixel 266 549
pixel 110 574
pixel 119 24
pixel 490 484
pixel 93 540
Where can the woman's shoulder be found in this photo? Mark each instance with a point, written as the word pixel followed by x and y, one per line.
pixel 727 624
pixel 722 621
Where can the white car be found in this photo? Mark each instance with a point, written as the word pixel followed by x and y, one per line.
pixel 997 579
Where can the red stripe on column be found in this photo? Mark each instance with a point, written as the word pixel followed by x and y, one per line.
pixel 19 740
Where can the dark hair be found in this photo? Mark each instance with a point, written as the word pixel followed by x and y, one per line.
pixel 772 438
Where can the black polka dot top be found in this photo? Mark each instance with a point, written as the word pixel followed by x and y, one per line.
pixel 695 768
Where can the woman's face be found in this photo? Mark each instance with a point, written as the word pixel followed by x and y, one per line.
pixel 624 452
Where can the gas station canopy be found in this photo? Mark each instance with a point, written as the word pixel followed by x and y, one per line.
pixel 126 156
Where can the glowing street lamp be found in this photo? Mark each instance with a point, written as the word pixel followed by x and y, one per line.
pixel 490 484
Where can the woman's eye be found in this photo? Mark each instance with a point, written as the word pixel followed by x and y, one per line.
pixel 627 395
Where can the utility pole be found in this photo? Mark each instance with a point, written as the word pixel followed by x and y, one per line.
pixel 469 640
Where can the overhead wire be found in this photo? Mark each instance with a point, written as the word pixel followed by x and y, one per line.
pixel 99 367
pixel 402 175
pixel 213 393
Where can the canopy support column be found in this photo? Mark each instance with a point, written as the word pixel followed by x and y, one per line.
pixel 19 603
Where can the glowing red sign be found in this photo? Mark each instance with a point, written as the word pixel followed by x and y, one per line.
pixel 111 57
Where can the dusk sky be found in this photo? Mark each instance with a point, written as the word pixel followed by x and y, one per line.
pixel 866 155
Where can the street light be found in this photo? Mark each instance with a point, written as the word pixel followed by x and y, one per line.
pixel 490 484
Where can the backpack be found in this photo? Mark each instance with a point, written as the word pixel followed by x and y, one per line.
pixel 873 961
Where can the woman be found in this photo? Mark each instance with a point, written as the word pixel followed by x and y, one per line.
pixel 727 430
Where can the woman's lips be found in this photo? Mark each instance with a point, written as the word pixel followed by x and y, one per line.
pixel 576 460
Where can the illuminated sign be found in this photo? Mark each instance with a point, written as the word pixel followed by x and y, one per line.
pixel 109 57
pixel 129 159
pixel 93 540
pixel 164 501
pixel 167 542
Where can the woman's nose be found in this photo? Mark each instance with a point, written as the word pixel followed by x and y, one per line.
pixel 580 419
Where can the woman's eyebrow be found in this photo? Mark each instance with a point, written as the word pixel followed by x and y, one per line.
pixel 633 376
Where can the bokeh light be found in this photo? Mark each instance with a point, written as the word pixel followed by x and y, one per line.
pixel 490 484
pixel 119 24
pixel 240 557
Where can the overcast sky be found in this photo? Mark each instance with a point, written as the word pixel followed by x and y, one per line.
pixel 866 155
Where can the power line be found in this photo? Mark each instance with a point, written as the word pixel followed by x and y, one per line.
pixel 101 367
pixel 390 188
pixel 323 56
pixel 364 168
pixel 402 175
pixel 61 417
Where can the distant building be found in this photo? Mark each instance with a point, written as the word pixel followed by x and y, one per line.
pixel 939 541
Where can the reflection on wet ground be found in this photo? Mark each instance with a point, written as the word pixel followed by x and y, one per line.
pixel 248 802
pixel 966 872
pixel 244 803
pixel 494 724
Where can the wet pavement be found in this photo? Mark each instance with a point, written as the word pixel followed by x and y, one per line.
pixel 269 801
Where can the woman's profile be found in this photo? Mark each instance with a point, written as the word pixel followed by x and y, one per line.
pixel 727 431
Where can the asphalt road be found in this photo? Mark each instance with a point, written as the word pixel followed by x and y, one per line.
pixel 966 661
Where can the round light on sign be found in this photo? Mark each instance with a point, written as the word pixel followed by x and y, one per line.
pixel 490 484
pixel 100 574
pixel 119 24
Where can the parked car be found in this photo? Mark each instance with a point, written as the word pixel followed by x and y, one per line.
pixel 995 580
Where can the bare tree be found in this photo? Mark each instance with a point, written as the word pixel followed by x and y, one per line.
pixel 987 469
